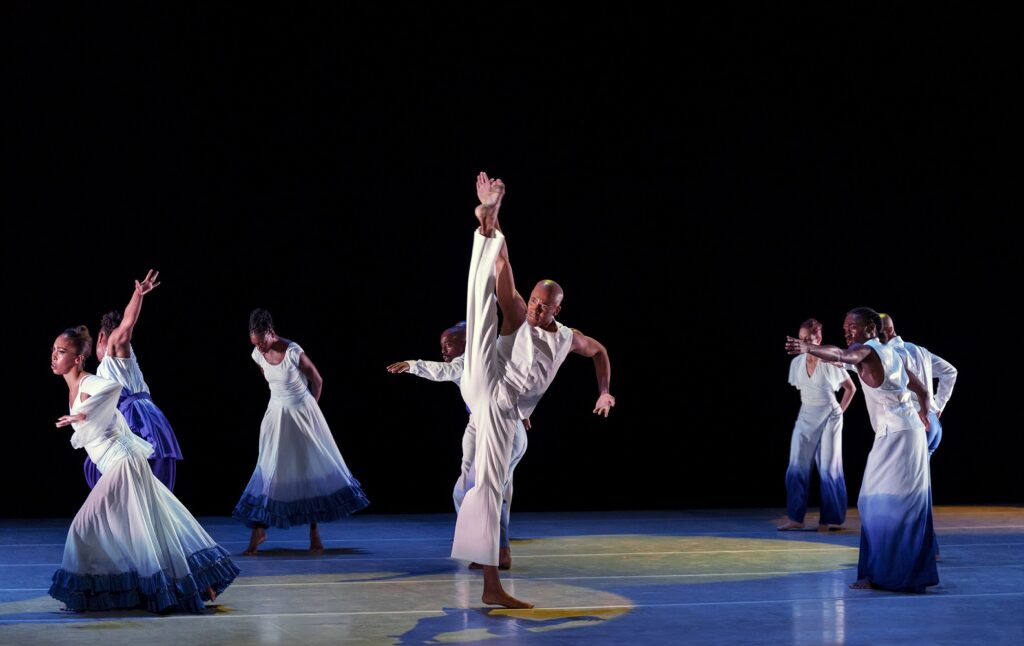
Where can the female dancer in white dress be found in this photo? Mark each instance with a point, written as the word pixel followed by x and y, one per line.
pixel 300 476
pixel 132 544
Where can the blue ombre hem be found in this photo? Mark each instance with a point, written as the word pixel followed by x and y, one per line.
pixel 833 496
pixel 262 511
pixel 833 500
pixel 797 485
pixel 160 592
pixel 897 546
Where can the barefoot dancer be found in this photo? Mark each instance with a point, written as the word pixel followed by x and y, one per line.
pixel 132 544
pixel 502 387
pixel 300 476
pixel 817 436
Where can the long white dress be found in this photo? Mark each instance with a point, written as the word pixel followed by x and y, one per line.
pixel 132 544
pixel 897 539
pixel 300 476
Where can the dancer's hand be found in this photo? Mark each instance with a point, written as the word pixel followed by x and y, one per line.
pixel 66 420
pixel 148 284
pixel 399 367
pixel 923 414
pixel 796 346
pixel 604 404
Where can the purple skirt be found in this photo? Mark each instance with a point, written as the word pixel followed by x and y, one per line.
pixel 148 422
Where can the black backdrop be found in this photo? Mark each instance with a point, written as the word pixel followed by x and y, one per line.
pixel 699 183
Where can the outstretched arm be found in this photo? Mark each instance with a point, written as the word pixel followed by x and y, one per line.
pixel 432 370
pixel 588 347
pixel 316 382
pixel 121 336
pixel 851 356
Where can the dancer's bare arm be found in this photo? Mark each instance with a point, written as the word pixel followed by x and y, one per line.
pixel 316 382
pixel 590 347
pixel 849 390
pixel 121 336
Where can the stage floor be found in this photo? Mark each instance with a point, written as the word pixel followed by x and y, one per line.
pixel 659 577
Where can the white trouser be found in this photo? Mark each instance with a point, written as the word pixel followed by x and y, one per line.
pixel 467 477
pixel 478 527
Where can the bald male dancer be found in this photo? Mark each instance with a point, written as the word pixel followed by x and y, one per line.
pixel 505 377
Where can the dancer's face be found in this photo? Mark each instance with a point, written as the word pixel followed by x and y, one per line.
pixel 543 306
pixel 807 336
pixel 453 344
pixel 263 340
pixel 856 330
pixel 63 356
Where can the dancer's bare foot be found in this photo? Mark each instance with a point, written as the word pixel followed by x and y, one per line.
pixel 315 545
pixel 259 535
pixel 485 214
pixel 211 594
pixel 790 525
pixel 861 584
pixel 495 595
pixel 490 193
pixel 826 527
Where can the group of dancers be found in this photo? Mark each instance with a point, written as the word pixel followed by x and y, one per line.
pixel 134 545
pixel 898 548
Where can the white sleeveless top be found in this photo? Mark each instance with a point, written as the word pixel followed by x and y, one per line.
pixel 533 360
pixel 889 405
pixel 124 371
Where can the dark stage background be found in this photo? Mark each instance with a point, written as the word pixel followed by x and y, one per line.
pixel 699 183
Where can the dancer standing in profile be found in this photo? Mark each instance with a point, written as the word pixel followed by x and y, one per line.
pixel 132 544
